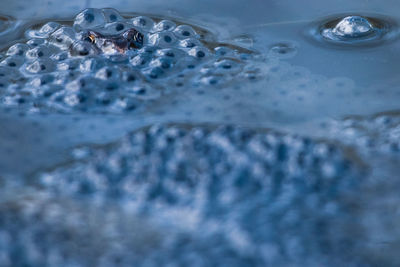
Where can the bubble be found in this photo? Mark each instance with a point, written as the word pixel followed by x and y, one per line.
pixel 89 18
pixel 353 27
pixel 356 29
pixel 112 15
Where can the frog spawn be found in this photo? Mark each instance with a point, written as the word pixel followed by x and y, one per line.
pixel 59 68
pixel 214 181
pixel 370 134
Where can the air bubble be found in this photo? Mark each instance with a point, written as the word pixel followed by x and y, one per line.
pixel 353 27
pixel 356 29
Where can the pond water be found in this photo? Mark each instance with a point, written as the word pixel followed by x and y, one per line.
pixel 200 133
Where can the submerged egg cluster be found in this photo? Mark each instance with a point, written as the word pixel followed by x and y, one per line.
pixel 380 133
pixel 244 193
pixel 108 63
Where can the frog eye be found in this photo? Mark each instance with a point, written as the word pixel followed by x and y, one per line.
pixel 132 45
pixel 138 37
pixel 90 38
